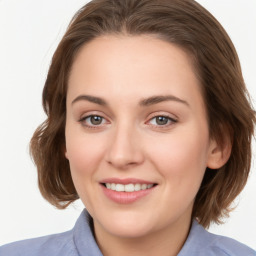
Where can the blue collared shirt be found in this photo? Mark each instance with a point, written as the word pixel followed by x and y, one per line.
pixel 80 242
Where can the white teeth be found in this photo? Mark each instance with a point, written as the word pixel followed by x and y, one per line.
pixel 149 185
pixel 137 187
pixel 119 187
pixel 128 187
pixel 144 186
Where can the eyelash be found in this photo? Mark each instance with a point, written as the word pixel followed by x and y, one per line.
pixel 90 126
pixel 170 121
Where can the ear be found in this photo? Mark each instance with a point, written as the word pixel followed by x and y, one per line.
pixel 66 154
pixel 219 153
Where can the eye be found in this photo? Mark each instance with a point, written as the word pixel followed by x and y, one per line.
pixel 162 121
pixel 93 120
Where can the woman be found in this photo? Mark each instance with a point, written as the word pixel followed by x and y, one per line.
pixel 150 125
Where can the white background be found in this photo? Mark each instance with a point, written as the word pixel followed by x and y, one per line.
pixel 29 33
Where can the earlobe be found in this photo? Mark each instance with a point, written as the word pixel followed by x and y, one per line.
pixel 219 154
pixel 66 154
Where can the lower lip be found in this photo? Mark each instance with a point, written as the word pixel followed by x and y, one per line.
pixel 126 197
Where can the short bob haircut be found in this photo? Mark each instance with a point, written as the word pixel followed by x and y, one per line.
pixel 189 26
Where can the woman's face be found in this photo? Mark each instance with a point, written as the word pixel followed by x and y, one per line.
pixel 136 121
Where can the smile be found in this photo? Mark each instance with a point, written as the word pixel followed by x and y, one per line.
pixel 126 191
pixel 128 187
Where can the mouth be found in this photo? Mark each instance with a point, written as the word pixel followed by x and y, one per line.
pixel 126 191
pixel 131 187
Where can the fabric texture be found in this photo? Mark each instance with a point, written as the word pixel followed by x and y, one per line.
pixel 80 242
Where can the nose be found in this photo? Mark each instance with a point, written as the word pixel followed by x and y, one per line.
pixel 125 149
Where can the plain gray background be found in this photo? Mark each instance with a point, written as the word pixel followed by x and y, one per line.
pixel 29 33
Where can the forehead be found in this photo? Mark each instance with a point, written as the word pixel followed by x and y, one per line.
pixel 132 66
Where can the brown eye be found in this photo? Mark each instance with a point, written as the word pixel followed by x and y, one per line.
pixel 162 120
pixel 95 120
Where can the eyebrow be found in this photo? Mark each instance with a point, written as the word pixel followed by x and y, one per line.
pixel 93 99
pixel 144 102
pixel 158 99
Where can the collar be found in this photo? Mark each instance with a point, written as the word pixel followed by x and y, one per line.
pixel 199 242
pixel 83 236
pixel 85 242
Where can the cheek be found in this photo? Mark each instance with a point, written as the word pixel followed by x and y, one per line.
pixel 181 159
pixel 84 153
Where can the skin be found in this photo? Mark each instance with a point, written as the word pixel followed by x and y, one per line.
pixel 129 142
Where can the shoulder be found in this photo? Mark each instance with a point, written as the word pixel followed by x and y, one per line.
pixel 229 247
pixel 78 241
pixel 58 244
pixel 201 242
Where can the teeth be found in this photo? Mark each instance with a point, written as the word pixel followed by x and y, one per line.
pixel 128 187
pixel 119 187
pixel 144 186
pixel 149 185
pixel 137 187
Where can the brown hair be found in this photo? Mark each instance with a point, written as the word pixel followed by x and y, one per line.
pixel 183 23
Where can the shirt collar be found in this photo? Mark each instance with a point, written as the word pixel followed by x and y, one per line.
pixel 83 236
pixel 85 242
pixel 197 240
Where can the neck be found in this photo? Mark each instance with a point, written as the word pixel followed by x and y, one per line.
pixel 167 241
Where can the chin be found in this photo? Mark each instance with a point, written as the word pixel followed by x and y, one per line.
pixel 128 225
pixel 128 230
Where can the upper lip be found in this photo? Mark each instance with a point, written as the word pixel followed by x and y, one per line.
pixel 126 181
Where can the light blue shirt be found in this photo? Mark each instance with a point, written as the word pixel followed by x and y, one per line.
pixel 80 242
